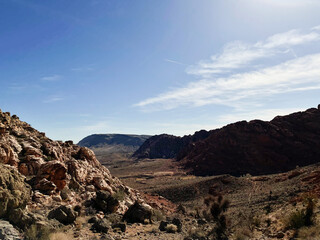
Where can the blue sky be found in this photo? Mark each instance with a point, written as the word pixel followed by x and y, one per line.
pixel 78 67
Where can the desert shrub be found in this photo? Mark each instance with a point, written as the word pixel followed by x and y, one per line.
pixel 114 218
pixel 80 222
pixel 247 222
pixel 217 206
pixel 157 215
pixel 120 195
pixel 309 233
pixel 181 209
pixel 196 234
pixel 171 228
pixel 38 232
pixel 242 234
pixel 296 220
pixel 301 218
pixel 154 230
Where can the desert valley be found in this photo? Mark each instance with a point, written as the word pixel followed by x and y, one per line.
pixel 159 120
pixel 247 180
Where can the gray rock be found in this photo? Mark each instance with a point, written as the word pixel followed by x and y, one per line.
pixel 102 225
pixel 178 223
pixel 63 214
pixel 8 232
pixel 106 202
pixel 138 213
pixel 163 225
pixel 122 226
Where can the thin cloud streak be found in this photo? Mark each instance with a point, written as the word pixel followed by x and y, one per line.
pixel 53 99
pixel 244 83
pixel 172 61
pixel 51 78
pixel 299 74
pixel 236 55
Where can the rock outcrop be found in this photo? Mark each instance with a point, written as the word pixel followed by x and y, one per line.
pixel 39 174
pixel 257 147
pixel 8 232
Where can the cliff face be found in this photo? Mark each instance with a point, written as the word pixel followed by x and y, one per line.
pixel 257 147
pixel 167 146
pixel 55 172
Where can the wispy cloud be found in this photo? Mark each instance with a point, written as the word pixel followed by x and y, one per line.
pixel 51 78
pixel 53 99
pixel 236 55
pixel 299 74
pixel 173 61
pixel 244 84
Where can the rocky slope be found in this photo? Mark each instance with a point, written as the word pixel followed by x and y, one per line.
pixel 114 142
pixel 52 182
pixel 257 147
pixel 167 146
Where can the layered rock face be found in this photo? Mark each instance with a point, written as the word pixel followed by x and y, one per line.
pixel 257 147
pixel 167 146
pixel 36 171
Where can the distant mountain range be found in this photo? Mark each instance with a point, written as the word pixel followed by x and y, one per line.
pixel 255 147
pixel 114 142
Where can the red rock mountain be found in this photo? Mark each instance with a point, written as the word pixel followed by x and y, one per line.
pixel 257 147
pixel 167 146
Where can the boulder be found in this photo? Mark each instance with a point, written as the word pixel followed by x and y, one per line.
pixel 102 225
pixel 55 172
pixel 178 223
pixel 122 226
pixel 106 202
pixel 64 214
pixel 45 186
pixel 101 184
pixel 138 213
pixel 163 225
pixel 8 232
pixel 7 155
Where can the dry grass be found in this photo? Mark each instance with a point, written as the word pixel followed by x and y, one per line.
pixel 37 232
pixel 171 228
pixel 80 222
pixel 309 233
pixel 60 236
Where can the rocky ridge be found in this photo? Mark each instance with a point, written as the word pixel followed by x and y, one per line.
pixel 167 146
pixel 42 179
pixel 257 147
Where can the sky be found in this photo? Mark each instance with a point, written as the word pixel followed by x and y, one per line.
pixel 79 67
